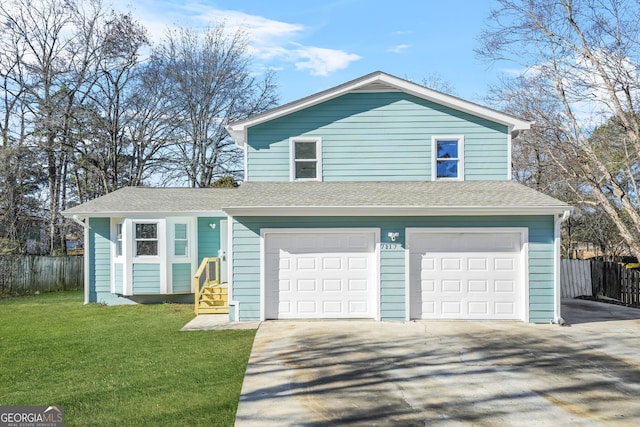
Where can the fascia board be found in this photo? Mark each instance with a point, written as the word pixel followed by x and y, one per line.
pixel 140 214
pixel 393 211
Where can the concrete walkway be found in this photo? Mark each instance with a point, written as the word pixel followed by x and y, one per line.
pixel 323 373
pixel 216 322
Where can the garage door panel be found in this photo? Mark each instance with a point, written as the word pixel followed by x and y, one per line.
pixel 478 308
pixel 505 286
pixel 331 263
pixel 307 285
pixel 472 275
pixel 332 285
pixel 451 264
pixel 334 279
pixel 478 286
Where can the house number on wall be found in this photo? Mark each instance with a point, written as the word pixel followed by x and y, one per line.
pixel 389 246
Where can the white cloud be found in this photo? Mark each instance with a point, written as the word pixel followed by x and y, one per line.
pixel 276 43
pixel 399 48
pixel 322 62
pixel 261 30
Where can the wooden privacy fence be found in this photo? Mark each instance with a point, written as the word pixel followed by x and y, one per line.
pixel 593 278
pixel 30 273
pixel 575 278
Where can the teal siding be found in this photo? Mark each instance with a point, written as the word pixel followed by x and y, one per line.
pixel 208 239
pixel 366 136
pixel 118 278
pixel 99 254
pixel 181 278
pixel 146 279
pixel 392 281
pixel 246 257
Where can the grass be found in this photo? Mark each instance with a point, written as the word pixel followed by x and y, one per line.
pixel 119 365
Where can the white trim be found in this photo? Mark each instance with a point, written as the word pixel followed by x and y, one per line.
pixel 88 251
pixel 265 232
pixel 509 154
pixel 434 156
pixel 292 157
pixel 245 151
pixel 557 251
pixel 113 247
pixel 144 215
pixel 524 257
pixel 230 260
pixel 238 130
pixel 391 210
pixel 192 249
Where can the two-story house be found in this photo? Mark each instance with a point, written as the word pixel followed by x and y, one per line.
pixel 378 199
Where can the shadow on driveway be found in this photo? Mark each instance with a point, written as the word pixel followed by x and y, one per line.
pixel 576 311
pixel 441 373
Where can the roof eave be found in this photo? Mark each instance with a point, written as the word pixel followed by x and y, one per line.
pixel 393 210
pixel 141 214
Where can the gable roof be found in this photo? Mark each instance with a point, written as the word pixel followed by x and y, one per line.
pixel 377 82
pixel 328 198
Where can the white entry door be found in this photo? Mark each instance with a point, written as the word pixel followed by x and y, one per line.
pixel 466 275
pixel 320 274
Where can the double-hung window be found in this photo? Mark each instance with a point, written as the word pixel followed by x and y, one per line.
pixel 180 240
pixel 146 239
pixel 448 157
pixel 306 162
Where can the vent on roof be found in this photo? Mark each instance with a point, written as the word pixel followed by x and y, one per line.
pixel 377 87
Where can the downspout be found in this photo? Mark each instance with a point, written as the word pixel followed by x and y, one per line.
pixel 559 219
pixel 85 255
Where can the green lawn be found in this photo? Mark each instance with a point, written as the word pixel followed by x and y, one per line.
pixel 120 365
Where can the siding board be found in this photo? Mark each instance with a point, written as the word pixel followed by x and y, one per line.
pixel 361 130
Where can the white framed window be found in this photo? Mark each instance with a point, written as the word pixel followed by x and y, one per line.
pixel 145 236
pixel 180 240
pixel 306 158
pixel 448 157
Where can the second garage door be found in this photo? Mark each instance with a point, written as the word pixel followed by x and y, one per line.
pixel 466 275
pixel 320 275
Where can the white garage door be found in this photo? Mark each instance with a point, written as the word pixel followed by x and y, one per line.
pixel 468 275
pixel 315 275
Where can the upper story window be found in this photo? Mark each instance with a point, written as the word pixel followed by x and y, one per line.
pixel 146 239
pixel 306 162
pixel 448 157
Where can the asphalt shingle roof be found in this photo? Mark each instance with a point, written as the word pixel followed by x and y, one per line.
pixel 487 195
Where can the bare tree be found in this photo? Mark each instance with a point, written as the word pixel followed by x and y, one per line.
pixel 211 84
pixel 580 61
pixel 103 148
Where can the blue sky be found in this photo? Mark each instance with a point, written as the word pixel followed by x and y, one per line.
pixel 317 45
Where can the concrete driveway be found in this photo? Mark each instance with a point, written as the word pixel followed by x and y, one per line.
pixel 442 373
